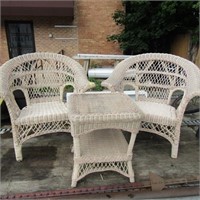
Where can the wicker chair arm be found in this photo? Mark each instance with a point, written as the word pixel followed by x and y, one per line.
pixel 185 100
pixel 192 89
pixel 107 84
pixel 81 83
pixel 13 107
pixel 88 86
pixel 114 82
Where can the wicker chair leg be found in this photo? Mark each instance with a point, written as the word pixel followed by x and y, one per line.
pixel 131 172
pixel 73 183
pixel 175 144
pixel 18 152
pixel 17 144
pixel 174 153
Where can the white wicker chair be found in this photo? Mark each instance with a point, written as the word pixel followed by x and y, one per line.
pixel 160 75
pixel 42 78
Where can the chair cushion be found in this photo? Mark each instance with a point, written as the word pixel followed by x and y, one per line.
pixel 158 113
pixel 42 112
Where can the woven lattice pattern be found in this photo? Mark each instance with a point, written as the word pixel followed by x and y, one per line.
pixel 159 75
pixel 87 168
pixel 165 131
pixel 42 78
pixel 29 131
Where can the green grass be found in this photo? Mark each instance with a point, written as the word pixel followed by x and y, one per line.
pixel 97 83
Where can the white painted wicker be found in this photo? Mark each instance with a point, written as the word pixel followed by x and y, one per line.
pixel 42 78
pixel 98 144
pixel 160 75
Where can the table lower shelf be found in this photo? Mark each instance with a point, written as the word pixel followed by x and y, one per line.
pixel 102 150
pixel 103 145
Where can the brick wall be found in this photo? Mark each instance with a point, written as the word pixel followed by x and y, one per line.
pixel 3 45
pixel 94 23
pixel 43 26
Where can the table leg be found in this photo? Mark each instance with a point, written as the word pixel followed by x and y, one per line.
pixel 131 144
pixel 131 172
pixel 76 149
pixel 130 156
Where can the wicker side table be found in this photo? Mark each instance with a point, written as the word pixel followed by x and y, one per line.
pixel 96 124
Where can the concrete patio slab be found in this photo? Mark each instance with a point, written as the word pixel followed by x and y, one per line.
pixel 48 162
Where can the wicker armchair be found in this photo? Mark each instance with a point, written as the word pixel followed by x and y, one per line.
pixel 42 78
pixel 159 75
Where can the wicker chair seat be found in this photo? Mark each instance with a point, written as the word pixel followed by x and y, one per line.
pixel 158 113
pixel 42 113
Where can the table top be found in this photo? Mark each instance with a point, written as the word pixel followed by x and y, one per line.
pixel 102 107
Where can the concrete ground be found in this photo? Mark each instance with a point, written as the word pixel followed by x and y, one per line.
pixel 48 162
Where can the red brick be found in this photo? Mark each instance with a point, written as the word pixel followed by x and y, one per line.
pixel 94 23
